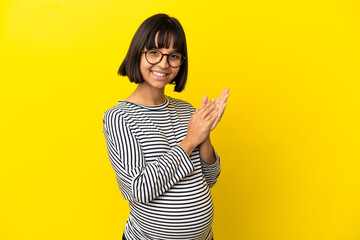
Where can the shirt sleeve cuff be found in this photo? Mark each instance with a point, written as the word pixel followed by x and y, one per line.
pixel 188 164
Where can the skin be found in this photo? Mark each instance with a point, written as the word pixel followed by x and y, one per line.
pixel 205 148
pixel 203 121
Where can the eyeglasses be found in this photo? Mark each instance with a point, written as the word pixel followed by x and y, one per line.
pixel 154 56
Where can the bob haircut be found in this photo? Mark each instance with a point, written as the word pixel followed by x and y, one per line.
pixel 167 28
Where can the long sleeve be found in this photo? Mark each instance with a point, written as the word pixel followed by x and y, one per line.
pixel 138 179
pixel 211 171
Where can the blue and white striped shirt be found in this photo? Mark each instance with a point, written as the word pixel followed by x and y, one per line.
pixel 168 191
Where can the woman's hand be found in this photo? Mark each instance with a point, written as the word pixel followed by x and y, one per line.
pixel 204 120
pixel 199 126
pixel 222 104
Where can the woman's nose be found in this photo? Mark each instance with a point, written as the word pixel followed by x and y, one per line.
pixel 164 62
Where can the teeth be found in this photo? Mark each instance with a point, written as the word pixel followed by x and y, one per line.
pixel 159 74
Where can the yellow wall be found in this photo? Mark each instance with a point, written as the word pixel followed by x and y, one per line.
pixel 289 140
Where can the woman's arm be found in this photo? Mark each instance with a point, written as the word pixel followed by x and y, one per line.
pixel 210 162
pixel 139 180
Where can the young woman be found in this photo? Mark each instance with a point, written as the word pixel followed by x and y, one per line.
pixel 160 147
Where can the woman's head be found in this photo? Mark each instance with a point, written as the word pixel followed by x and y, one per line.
pixel 156 32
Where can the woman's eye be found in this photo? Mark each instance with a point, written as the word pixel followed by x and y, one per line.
pixel 153 53
pixel 175 56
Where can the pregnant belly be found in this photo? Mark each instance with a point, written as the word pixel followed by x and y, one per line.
pixel 177 214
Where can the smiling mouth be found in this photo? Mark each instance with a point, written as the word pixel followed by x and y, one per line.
pixel 159 74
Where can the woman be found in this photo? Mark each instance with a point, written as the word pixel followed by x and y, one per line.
pixel 159 146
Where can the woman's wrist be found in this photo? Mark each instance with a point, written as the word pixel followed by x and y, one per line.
pixel 188 145
pixel 206 141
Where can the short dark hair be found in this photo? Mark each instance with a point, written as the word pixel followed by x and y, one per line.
pixel 167 28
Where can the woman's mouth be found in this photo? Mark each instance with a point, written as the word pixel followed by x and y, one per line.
pixel 159 74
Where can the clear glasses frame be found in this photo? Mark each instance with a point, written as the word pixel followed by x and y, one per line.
pixel 162 55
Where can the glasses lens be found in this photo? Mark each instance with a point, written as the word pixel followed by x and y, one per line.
pixel 175 59
pixel 155 56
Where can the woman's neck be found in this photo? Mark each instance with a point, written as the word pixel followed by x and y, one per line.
pixel 144 96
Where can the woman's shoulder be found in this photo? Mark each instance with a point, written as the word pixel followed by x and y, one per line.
pixel 120 110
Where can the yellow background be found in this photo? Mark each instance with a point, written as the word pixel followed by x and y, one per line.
pixel 289 141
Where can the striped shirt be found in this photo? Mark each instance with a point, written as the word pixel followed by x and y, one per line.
pixel 168 191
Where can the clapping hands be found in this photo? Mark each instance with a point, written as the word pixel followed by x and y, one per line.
pixel 221 105
pixel 203 121
pixel 206 118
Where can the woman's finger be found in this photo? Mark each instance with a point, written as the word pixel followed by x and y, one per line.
pixel 224 95
pixel 204 101
pixel 212 111
pixel 219 116
pixel 220 113
pixel 212 119
pixel 209 107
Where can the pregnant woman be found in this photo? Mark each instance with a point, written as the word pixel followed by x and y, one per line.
pixel 159 146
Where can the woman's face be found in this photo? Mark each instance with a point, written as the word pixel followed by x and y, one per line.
pixel 160 74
